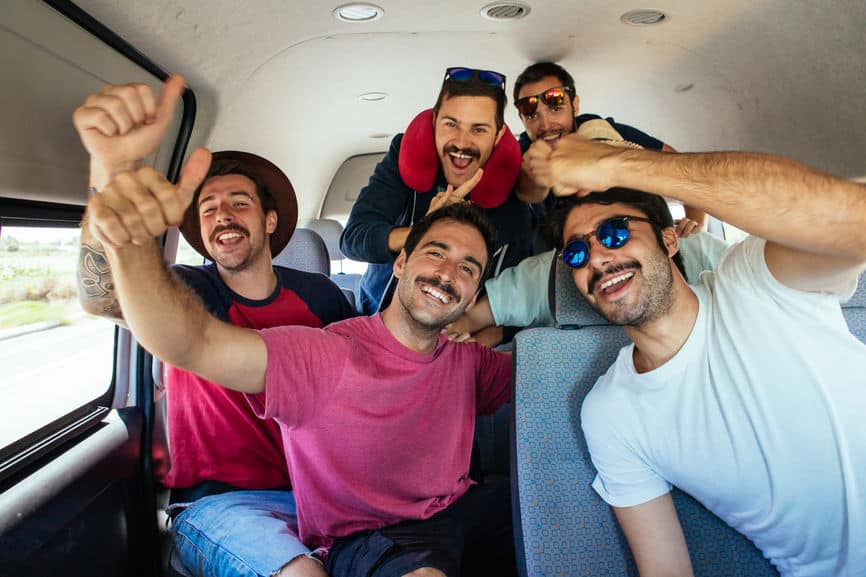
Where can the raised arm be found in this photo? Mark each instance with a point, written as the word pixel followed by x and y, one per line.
pixel 119 126
pixel 813 222
pixel 163 314
pixel 655 538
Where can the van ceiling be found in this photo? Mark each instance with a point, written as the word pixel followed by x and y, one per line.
pixel 283 78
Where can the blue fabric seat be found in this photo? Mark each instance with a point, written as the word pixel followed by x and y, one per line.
pixel 562 526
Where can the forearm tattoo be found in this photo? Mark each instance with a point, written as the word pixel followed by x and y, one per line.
pixel 95 280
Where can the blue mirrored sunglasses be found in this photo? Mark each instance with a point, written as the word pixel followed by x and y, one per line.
pixel 489 77
pixel 612 233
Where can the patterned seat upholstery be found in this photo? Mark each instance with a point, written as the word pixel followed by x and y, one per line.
pixel 562 526
pixel 306 251
pixel 854 311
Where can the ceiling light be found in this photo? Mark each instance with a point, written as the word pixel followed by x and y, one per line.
pixel 646 17
pixel 357 12
pixel 373 96
pixel 505 11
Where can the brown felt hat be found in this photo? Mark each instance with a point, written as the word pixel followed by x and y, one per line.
pixel 275 181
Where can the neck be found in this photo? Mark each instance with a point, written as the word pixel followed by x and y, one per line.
pixel 255 282
pixel 407 330
pixel 657 341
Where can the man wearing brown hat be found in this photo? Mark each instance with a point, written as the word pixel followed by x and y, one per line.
pixel 228 476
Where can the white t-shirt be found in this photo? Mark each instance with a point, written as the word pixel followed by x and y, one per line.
pixel 761 416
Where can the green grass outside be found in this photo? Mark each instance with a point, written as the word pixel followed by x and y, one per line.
pixel 29 312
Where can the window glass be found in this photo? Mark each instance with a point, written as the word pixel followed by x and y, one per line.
pixel 186 254
pixel 54 357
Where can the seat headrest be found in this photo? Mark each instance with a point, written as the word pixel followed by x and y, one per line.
pixel 418 163
pixel 330 231
pixel 567 306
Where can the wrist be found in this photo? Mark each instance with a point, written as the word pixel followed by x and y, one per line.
pixel 102 172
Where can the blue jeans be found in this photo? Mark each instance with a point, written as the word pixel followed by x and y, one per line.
pixel 238 534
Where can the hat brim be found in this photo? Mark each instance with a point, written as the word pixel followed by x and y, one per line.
pixel 277 183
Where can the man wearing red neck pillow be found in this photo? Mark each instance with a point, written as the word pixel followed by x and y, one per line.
pixel 426 169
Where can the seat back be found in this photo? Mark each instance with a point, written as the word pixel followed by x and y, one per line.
pixel 330 231
pixel 562 526
pixel 306 251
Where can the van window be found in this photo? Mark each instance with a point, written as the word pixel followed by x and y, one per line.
pixel 54 358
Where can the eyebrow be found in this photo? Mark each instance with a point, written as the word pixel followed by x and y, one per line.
pixel 470 259
pixel 487 124
pixel 231 195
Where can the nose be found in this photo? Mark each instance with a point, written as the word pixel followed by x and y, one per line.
pixel 599 255
pixel 462 139
pixel 445 271
pixel 544 117
pixel 223 215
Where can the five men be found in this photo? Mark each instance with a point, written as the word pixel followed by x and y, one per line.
pixel 226 463
pixel 377 413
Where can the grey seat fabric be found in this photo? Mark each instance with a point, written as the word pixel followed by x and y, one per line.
pixel 562 527
pixel 306 251
pixel 855 311
pixel 330 231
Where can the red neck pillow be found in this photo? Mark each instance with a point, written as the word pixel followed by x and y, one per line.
pixel 418 162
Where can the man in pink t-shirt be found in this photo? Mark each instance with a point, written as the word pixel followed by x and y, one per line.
pixel 377 413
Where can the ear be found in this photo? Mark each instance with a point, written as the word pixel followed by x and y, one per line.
pixel 671 240
pixel 472 302
pixel 499 134
pixel 575 104
pixel 271 221
pixel 399 263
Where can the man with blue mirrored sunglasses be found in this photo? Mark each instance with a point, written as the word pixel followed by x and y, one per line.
pixel 745 389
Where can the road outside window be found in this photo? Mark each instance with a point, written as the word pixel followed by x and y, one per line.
pixel 54 357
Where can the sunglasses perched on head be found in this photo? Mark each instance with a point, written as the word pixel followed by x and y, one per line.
pixel 489 77
pixel 555 97
pixel 612 233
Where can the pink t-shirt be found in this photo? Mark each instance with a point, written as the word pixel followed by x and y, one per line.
pixel 375 433
pixel 214 434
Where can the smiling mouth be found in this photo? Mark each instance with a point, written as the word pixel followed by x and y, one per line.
pixel 461 159
pixel 229 235
pixel 612 284
pixel 445 294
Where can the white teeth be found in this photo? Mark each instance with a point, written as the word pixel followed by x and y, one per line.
pixel 459 155
pixel 616 280
pixel 228 236
pixel 434 293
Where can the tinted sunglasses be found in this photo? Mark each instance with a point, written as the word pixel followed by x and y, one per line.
pixel 612 233
pixel 555 97
pixel 488 77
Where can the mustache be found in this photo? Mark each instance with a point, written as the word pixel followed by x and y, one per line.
pixel 440 286
pixel 474 152
pixel 613 269
pixel 218 230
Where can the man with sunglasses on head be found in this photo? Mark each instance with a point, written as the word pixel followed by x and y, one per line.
pixel 468 122
pixel 548 105
pixel 745 389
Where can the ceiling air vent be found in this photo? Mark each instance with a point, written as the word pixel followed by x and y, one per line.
pixel 643 17
pixel 505 11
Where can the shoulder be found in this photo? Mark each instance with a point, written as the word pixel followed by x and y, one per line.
pixel 319 292
pixel 205 281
